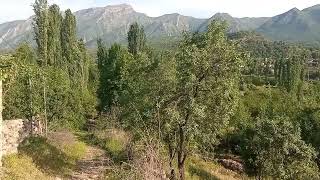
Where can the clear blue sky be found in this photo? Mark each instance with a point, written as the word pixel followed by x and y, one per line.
pixel 21 9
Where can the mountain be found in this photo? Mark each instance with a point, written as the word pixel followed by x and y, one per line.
pixel 294 25
pixel 111 23
pixel 236 24
pixel 13 33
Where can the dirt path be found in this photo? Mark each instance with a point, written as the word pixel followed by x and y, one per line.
pixel 92 166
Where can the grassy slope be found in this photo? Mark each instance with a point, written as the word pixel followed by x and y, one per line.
pixel 41 158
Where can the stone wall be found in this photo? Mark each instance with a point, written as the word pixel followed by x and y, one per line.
pixel 15 131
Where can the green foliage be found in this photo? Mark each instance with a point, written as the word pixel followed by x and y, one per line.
pixel 136 39
pixel 66 70
pixel 22 91
pixel 113 141
pixel 63 101
pixel 68 38
pixel 289 67
pixel 54 36
pixel 40 27
pixel 110 64
pixel 183 98
pixel 116 148
pixel 208 77
pixel 276 150
pixel 75 150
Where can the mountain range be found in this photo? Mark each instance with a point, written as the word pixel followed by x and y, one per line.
pixel 111 23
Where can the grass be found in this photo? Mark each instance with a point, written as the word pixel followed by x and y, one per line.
pixel 68 144
pixel 198 168
pixel 56 155
pixel 113 141
pixel 47 157
pixel 21 167
pixel 75 151
pixel 40 158
pixel 199 173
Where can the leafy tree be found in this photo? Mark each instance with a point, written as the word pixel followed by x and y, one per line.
pixel 289 67
pixel 136 39
pixel 278 151
pixel 207 88
pixel 67 64
pixel 110 63
pixel 185 98
pixel 54 36
pixel 24 54
pixel 23 91
pixel 69 39
pixel 40 26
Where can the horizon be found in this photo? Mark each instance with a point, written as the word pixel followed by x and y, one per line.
pixel 203 9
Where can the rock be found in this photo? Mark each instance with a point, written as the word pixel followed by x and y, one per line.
pixel 232 165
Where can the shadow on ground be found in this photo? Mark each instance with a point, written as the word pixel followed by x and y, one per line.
pixel 46 156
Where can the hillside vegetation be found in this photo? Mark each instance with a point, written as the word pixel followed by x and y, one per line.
pixel 214 105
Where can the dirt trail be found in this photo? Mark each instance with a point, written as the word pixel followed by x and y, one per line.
pixel 92 166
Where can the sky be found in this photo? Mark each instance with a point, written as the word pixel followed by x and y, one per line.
pixel 21 9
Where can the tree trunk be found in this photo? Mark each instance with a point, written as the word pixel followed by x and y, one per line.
pixel 172 173
pixel 31 113
pixel 171 158
pixel 182 155
pixel 45 106
pixel 181 171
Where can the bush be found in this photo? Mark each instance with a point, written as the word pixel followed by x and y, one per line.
pixel 274 148
pixel 21 167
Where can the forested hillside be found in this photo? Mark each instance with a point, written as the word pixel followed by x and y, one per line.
pixel 215 105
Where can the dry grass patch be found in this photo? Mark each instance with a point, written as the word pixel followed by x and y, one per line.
pixel 198 168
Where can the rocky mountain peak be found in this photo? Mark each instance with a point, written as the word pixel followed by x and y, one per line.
pixel 121 8
pixel 288 17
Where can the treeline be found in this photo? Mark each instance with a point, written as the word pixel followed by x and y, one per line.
pixel 55 82
pixel 213 94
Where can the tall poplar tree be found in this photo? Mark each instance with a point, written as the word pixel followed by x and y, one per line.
pixel 40 27
pixel 54 36
pixel 136 39
pixel 68 37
